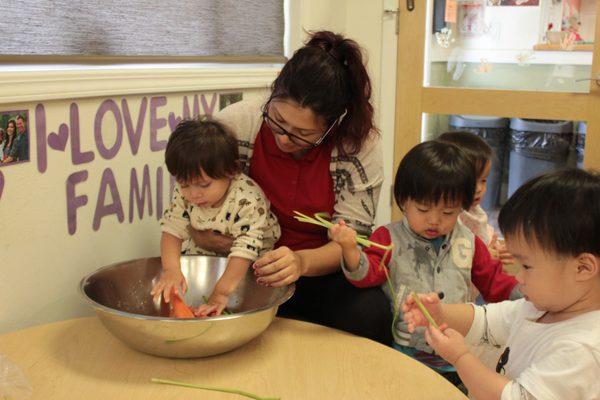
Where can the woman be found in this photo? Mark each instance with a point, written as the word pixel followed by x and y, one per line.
pixel 11 130
pixel 2 143
pixel 312 147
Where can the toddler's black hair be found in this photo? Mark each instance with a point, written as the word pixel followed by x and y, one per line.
pixel 560 211
pixel 475 147
pixel 201 145
pixel 433 171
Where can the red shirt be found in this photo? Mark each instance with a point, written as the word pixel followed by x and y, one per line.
pixel 304 185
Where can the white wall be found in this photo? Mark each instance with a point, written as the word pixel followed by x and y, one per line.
pixel 41 262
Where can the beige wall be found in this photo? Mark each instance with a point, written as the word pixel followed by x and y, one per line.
pixel 41 264
pixel 41 261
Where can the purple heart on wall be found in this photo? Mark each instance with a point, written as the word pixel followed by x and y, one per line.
pixel 58 141
pixel 1 184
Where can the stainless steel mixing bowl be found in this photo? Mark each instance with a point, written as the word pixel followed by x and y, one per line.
pixel 120 295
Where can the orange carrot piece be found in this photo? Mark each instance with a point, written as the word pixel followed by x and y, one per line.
pixel 178 307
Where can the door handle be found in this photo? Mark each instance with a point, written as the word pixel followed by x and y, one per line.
pixel 596 79
pixel 395 12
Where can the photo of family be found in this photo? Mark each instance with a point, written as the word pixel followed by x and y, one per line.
pixel 14 137
pixel 513 2
pixel 226 99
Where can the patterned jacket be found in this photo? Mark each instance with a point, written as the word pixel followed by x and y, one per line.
pixel 414 265
pixel 244 215
pixel 356 179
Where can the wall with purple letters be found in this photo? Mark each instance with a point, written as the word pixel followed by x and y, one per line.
pixel 89 192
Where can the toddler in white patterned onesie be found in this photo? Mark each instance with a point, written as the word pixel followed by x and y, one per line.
pixel 211 194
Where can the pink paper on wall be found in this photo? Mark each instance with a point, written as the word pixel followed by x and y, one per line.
pixel 570 21
pixel 570 8
pixel 516 2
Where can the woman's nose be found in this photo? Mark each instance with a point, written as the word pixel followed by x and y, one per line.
pixel 285 140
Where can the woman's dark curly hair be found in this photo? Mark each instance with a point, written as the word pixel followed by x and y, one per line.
pixel 328 75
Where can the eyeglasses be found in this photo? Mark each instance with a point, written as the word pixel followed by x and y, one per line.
pixel 280 130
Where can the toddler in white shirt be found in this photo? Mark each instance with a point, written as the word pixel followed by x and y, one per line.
pixel 551 337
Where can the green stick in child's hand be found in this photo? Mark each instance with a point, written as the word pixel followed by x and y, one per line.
pixel 424 311
pixel 320 220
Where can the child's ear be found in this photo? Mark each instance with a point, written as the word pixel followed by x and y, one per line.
pixel 588 266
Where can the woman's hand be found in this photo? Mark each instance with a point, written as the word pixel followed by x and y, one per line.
pixel 211 240
pixel 279 267
pixel 170 279
pixel 413 315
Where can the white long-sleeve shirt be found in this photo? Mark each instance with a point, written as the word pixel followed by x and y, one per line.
pixel 477 221
pixel 544 361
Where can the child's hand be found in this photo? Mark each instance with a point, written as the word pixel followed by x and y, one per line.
pixel 214 307
pixel 343 235
pixel 170 279
pixel 413 315
pixel 503 254
pixel 448 343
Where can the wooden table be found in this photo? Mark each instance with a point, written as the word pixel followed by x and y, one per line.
pixel 80 359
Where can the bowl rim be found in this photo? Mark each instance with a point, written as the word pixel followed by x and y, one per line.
pixel 291 288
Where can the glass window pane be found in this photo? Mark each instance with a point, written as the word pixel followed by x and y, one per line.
pixel 522 148
pixel 511 44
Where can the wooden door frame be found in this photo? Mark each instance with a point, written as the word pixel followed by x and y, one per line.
pixel 413 99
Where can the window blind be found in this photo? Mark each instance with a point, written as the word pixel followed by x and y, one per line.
pixel 125 28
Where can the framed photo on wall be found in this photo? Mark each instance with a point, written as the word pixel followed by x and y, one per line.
pixel 14 137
